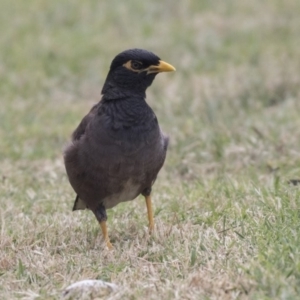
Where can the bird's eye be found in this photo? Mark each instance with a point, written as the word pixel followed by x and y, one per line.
pixel 136 65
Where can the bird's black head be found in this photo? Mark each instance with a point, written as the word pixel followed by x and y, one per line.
pixel 131 72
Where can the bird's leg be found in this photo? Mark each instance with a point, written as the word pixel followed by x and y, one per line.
pixel 101 216
pixel 105 234
pixel 150 213
pixel 147 194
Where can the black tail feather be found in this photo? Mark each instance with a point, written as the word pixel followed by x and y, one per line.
pixel 78 204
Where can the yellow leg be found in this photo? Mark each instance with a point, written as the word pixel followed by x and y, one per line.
pixel 105 234
pixel 150 213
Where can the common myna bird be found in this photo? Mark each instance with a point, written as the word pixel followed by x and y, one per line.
pixel 118 148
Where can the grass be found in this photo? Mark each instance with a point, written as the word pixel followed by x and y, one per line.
pixel 227 221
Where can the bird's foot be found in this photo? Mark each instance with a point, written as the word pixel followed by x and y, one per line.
pixel 151 228
pixel 105 234
pixel 109 245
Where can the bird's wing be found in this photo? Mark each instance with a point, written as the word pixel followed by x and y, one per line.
pixel 77 134
pixel 80 130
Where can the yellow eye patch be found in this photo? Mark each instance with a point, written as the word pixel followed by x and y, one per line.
pixel 134 66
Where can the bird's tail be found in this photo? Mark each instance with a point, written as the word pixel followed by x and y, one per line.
pixel 79 204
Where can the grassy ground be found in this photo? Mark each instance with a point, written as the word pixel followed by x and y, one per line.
pixel 227 220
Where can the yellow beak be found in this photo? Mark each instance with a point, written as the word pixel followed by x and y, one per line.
pixel 162 67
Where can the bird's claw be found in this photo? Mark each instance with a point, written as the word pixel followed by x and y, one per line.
pixel 151 228
pixel 109 245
